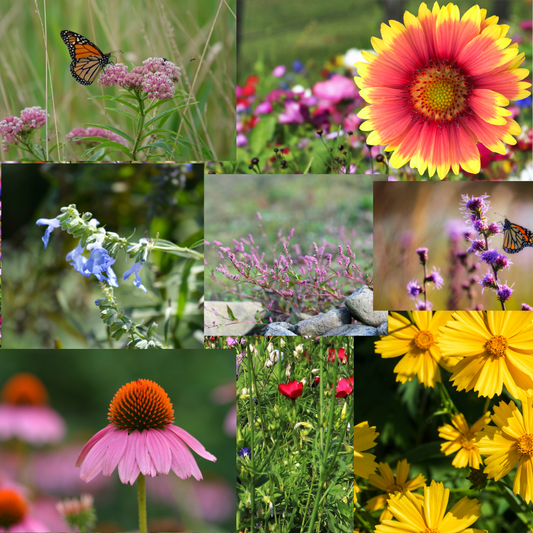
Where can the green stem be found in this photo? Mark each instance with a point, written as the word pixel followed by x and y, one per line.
pixel 140 128
pixel 249 356
pixel 141 496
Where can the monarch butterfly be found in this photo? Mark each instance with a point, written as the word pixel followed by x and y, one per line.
pixel 516 237
pixel 87 59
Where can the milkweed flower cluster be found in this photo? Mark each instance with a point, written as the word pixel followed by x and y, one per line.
pixel 475 212
pixel 438 85
pixel 93 132
pixel 156 78
pixel 414 289
pixel 19 129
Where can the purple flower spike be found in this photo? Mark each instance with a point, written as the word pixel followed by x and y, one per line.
pixel 435 278
pixel 414 289
pixel 504 293
pixel 423 255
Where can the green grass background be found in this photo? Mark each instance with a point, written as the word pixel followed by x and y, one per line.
pixel 278 32
pixel 307 203
pixel 141 29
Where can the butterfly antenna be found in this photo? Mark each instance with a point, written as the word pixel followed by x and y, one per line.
pixel 504 216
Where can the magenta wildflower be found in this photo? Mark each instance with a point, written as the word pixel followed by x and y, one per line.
pixel 158 85
pixel 487 282
pixel 490 256
pixel 423 306
pixel 526 307
pixel 113 75
pixel 94 132
pixel 141 438
pixel 33 117
pixel 423 255
pixel 478 245
pixel 241 140
pixel 9 127
pixel 279 71
pixel 435 277
pixel 25 414
pixel 504 293
pixel 414 289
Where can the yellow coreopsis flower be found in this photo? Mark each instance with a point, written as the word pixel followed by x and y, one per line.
pixel 508 444
pixel 496 348
pixel 418 342
pixel 429 517
pixel 462 440
pixel 391 484
pixel 364 464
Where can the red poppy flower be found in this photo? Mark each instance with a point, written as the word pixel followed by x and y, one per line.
pixel 342 355
pixel 292 390
pixel 344 387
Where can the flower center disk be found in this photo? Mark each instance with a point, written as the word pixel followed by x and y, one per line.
pixel 497 346
pixel 141 405
pixel 12 508
pixel 424 340
pixel 439 92
pixel 24 389
pixel 525 444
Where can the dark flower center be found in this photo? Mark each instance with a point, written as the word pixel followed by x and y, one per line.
pixel 12 508
pixel 439 92
pixel 140 405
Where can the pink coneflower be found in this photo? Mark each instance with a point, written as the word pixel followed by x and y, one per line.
pixel 14 515
pixel 141 438
pixel 24 413
pixel 438 85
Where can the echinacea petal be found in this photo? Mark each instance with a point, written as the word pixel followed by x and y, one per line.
pixel 92 441
pixel 115 452
pixel 94 460
pixel 193 443
pixel 159 451
pixel 128 469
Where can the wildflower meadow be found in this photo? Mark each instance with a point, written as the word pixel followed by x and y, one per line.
pixel 124 81
pixel 294 433
pixel 443 424
pixel 432 100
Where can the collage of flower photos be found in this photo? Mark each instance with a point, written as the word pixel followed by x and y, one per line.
pixel 207 179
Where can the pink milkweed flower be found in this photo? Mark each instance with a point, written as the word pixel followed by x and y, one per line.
pixel 25 414
pixel 141 438
pixel 14 515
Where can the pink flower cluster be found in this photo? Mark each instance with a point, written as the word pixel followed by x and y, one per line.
pixel 94 132
pixel 156 77
pixel 17 129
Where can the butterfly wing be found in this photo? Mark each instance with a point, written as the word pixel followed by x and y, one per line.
pixel 516 237
pixel 87 59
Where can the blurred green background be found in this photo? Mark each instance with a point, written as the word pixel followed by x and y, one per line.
pixel 141 29
pixel 278 32
pixel 408 216
pixel 311 204
pixel 81 387
pixel 47 300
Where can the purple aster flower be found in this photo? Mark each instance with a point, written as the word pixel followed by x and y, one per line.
pixel 52 224
pixel 526 307
pixel 423 306
pixel 478 245
pixel 414 289
pixel 435 278
pixel 487 282
pixel 502 262
pixel 504 293
pixel 490 256
pixel 423 255
pixel 135 269
pixel 476 204
pixel 480 226
pixel 493 229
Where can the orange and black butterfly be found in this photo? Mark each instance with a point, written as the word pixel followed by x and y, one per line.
pixel 516 237
pixel 87 59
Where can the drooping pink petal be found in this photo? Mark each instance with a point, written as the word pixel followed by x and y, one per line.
pixel 128 469
pixel 92 441
pixel 144 460
pixel 159 451
pixel 115 451
pixel 94 460
pixel 192 442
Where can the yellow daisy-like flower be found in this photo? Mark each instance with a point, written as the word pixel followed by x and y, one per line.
pixel 390 484
pixel 462 439
pixel 418 343
pixel 364 464
pixel 509 443
pixel 496 348
pixel 428 516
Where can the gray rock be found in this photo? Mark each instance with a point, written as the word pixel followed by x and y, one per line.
pixel 383 329
pixel 352 330
pixel 277 330
pixel 361 306
pixel 319 324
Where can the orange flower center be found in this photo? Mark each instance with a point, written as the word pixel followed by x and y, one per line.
pixel 394 488
pixel 439 92
pixel 424 340
pixel 428 530
pixel 12 508
pixel 468 441
pixel 140 405
pixel 24 389
pixel 525 444
pixel 497 345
